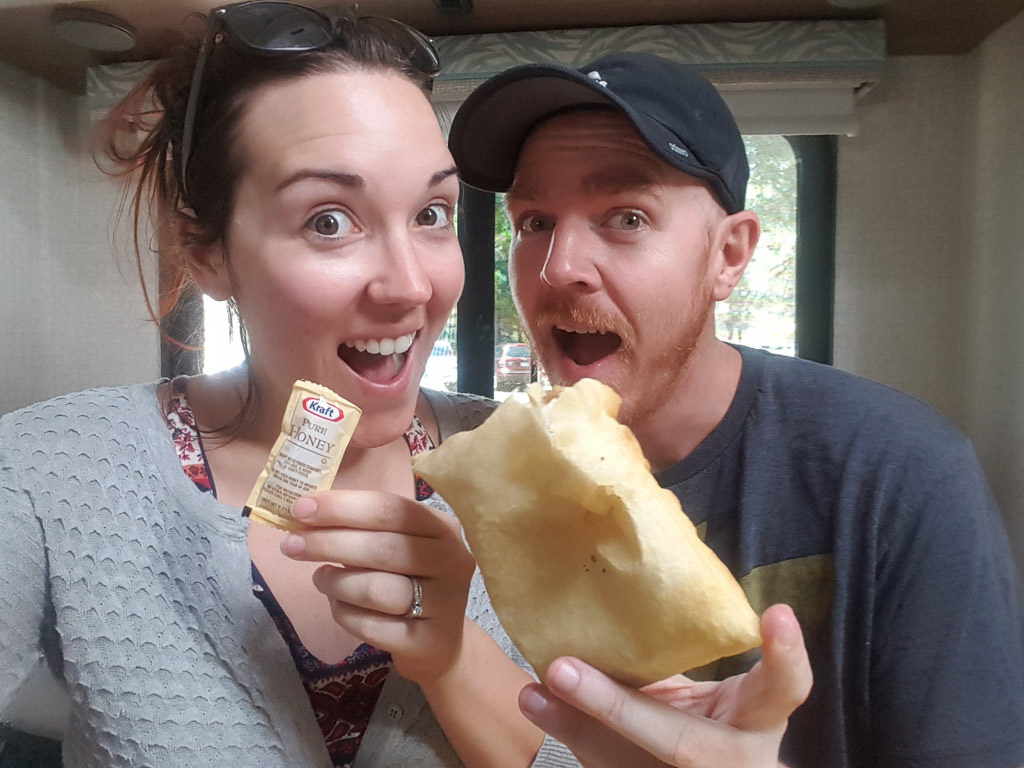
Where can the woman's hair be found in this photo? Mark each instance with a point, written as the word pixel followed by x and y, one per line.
pixel 142 136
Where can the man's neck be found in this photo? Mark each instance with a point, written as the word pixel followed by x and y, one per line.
pixel 706 390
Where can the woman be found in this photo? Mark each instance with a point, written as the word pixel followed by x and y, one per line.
pixel 295 168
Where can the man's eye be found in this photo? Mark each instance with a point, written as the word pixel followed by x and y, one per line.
pixel 535 223
pixel 332 224
pixel 436 215
pixel 627 220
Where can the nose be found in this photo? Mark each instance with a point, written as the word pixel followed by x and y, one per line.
pixel 569 261
pixel 401 276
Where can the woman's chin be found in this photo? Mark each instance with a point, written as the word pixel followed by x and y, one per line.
pixel 381 427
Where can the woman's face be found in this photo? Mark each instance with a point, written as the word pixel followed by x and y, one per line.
pixel 341 251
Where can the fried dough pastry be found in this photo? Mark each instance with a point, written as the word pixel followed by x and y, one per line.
pixel 582 552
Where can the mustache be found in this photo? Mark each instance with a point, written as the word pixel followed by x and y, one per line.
pixel 578 315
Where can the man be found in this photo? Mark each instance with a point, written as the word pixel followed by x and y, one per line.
pixel 857 506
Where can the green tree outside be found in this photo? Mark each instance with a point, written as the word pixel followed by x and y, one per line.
pixel 506 320
pixel 762 309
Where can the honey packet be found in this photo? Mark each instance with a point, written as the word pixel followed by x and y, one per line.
pixel 315 432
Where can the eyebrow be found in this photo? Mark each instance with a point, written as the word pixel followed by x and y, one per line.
pixel 352 180
pixel 440 176
pixel 618 181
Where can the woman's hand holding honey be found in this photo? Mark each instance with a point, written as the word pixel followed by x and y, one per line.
pixel 377 547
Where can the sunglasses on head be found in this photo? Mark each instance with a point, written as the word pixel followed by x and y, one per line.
pixel 276 28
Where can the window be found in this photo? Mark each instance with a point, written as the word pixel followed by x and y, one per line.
pixel 762 309
pixel 222 347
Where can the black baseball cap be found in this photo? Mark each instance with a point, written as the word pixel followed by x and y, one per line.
pixel 678 113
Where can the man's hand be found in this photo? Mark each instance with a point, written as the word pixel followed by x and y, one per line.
pixel 735 723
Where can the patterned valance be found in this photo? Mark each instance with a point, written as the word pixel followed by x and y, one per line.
pixel 736 54
pixel 778 77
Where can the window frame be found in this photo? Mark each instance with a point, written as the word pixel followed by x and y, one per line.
pixel 816 184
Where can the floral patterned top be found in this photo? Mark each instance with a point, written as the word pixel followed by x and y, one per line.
pixel 342 695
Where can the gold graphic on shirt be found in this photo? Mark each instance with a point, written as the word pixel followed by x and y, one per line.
pixel 806 584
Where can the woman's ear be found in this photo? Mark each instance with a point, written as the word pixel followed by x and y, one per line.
pixel 207 262
pixel 209 267
pixel 738 236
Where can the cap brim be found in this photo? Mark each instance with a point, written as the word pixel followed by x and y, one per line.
pixel 491 125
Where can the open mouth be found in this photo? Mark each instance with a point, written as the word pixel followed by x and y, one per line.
pixel 376 360
pixel 586 347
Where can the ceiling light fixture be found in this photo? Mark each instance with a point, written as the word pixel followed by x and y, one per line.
pixel 95 30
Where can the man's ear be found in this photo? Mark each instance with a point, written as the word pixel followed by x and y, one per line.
pixel 738 234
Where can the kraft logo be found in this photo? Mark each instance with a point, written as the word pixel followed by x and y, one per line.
pixel 320 407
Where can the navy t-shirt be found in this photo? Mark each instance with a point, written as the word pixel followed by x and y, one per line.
pixel 868 513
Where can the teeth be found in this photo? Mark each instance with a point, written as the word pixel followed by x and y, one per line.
pixel 383 346
pixel 402 343
pixel 588 331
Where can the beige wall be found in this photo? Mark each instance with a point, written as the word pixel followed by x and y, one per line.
pixel 930 261
pixel 68 318
pixel 901 230
pixel 995 361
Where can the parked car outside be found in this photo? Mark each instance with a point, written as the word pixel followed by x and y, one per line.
pixel 512 366
pixel 442 370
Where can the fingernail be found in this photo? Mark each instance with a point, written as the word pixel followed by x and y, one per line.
pixel 563 675
pixel 293 545
pixel 304 508
pixel 532 702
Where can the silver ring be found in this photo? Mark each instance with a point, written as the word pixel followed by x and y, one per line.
pixel 416 606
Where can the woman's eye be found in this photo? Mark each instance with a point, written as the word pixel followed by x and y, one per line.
pixel 332 224
pixel 436 215
pixel 627 220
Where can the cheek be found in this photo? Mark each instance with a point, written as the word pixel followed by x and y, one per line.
pixel 303 300
pixel 448 277
pixel 523 275
pixel 681 307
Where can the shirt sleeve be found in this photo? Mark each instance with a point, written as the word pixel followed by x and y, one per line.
pixel 947 682
pixel 552 753
pixel 22 588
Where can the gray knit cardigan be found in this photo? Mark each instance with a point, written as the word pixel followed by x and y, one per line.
pixel 134 589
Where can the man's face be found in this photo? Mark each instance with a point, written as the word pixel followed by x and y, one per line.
pixel 610 259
